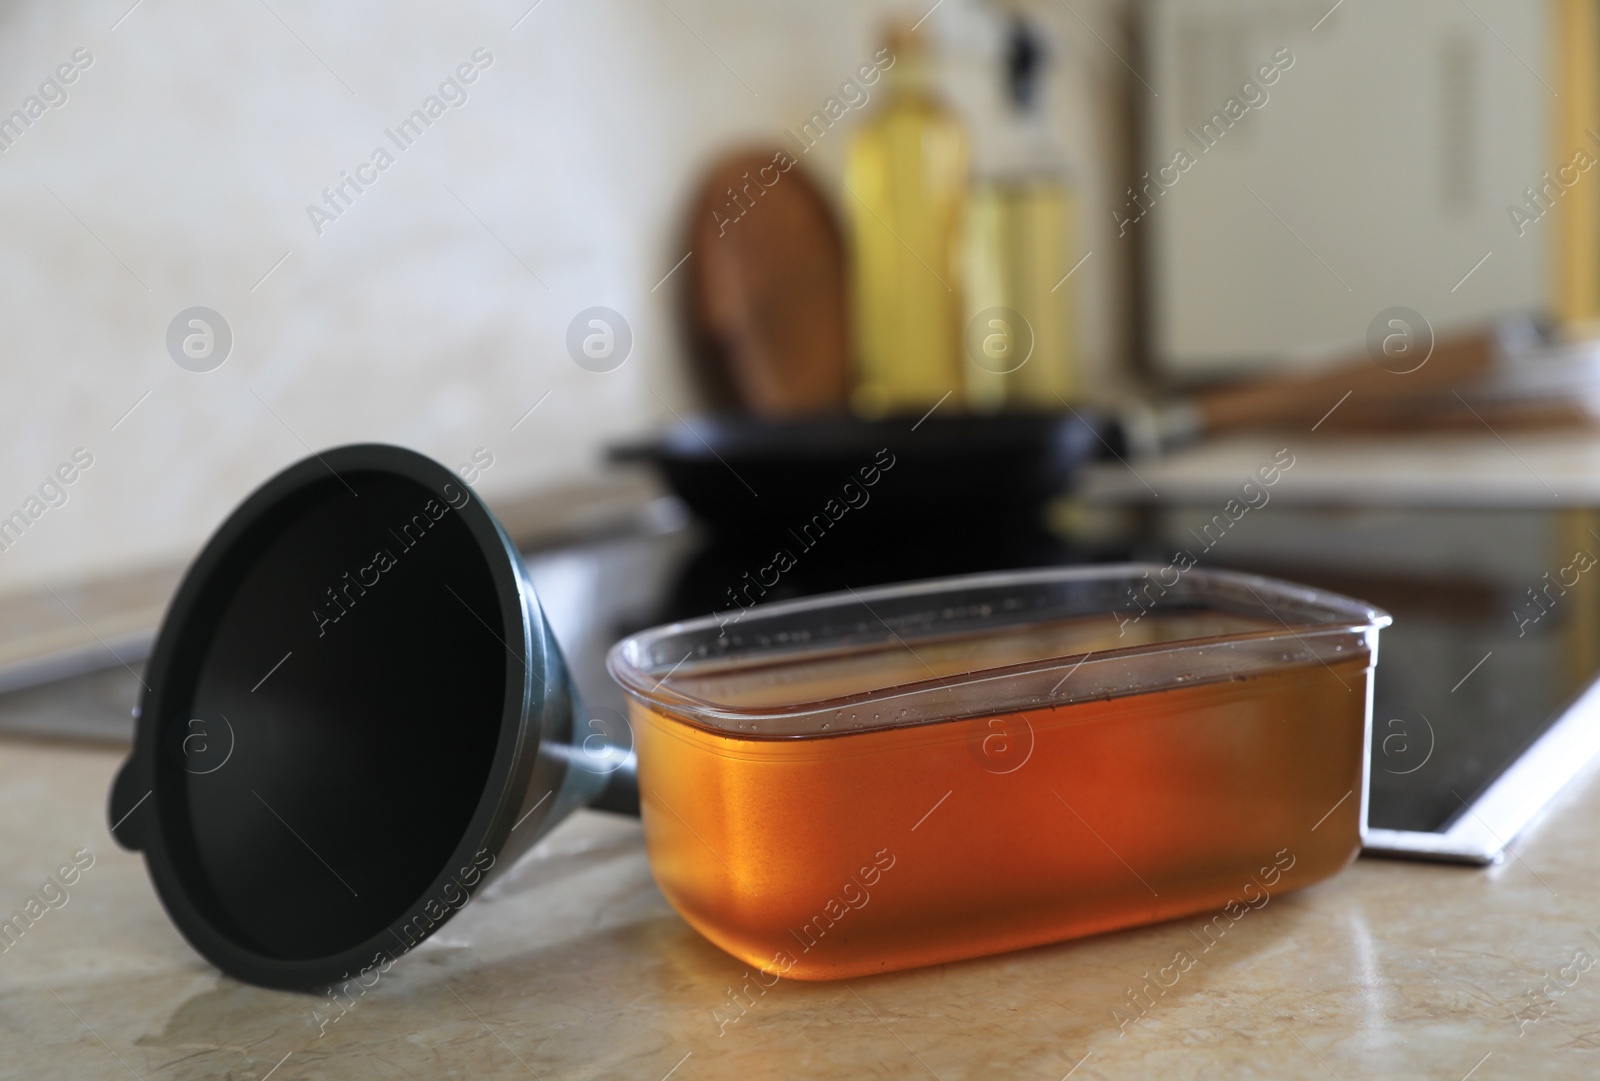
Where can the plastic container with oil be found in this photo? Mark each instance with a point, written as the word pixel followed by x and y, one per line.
pixel 915 774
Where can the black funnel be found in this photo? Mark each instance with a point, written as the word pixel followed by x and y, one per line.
pixel 356 716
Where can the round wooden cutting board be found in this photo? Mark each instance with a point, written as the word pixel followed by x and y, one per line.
pixel 766 288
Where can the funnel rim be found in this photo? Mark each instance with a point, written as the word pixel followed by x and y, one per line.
pixel 172 672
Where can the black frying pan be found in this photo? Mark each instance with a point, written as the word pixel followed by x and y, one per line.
pixel 957 473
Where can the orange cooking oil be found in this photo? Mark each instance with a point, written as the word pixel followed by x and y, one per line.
pixel 860 851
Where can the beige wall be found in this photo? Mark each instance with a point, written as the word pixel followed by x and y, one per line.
pixel 179 169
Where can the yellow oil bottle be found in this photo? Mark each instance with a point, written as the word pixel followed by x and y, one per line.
pixel 1019 338
pixel 906 193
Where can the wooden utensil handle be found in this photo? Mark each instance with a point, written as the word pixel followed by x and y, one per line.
pixel 1354 387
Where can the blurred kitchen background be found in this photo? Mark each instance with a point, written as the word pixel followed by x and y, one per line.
pixel 434 311
pixel 622 262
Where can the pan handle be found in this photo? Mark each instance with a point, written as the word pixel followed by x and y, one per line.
pixel 1363 390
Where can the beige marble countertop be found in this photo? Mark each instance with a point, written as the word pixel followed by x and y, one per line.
pixel 575 967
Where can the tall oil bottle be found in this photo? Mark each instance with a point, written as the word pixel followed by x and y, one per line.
pixel 906 181
pixel 1019 340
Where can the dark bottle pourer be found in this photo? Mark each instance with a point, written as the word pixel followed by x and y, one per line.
pixel 355 717
pixel 1025 59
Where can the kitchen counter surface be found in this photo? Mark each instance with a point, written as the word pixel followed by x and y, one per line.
pixel 575 967
pixel 1482 469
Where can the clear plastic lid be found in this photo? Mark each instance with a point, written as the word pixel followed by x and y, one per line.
pixel 979 645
